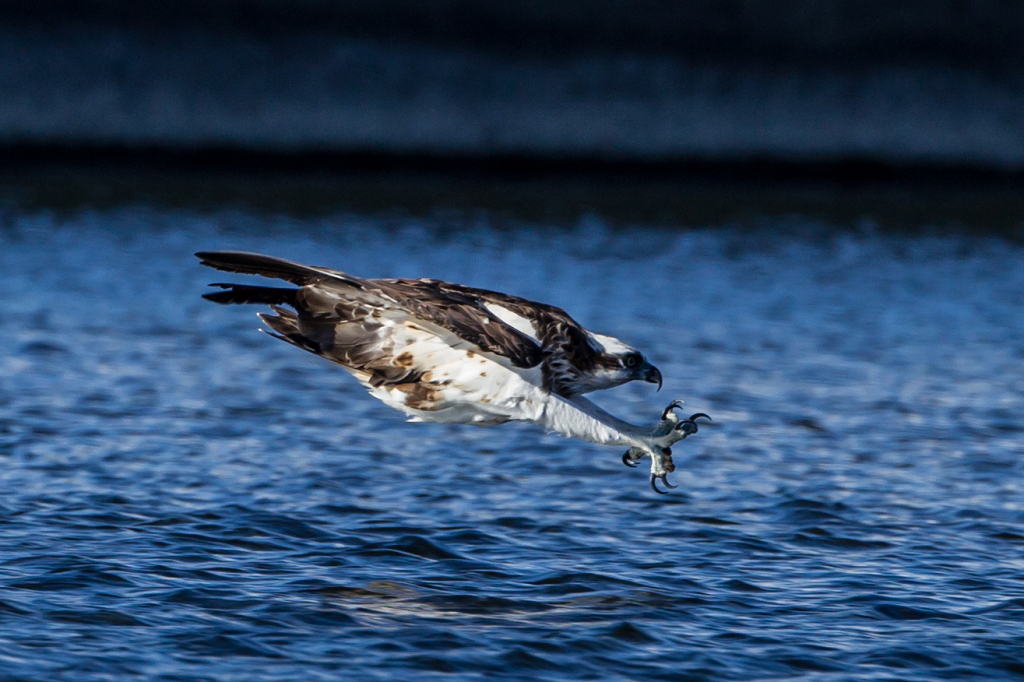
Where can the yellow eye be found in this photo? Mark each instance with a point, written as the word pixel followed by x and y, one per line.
pixel 631 361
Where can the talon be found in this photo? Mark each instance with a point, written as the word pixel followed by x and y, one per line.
pixel 655 487
pixel 628 461
pixel 671 406
pixel 664 479
pixel 687 426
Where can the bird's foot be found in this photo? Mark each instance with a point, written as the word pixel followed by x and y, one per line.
pixel 671 422
pixel 671 429
pixel 688 426
pixel 632 456
pixel 669 414
pixel 661 466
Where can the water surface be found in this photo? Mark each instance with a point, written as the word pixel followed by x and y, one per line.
pixel 183 498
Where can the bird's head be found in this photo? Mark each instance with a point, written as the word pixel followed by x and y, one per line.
pixel 618 363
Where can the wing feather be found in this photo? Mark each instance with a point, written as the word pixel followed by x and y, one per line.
pixel 269 266
pixel 569 350
pixel 336 314
pixel 464 314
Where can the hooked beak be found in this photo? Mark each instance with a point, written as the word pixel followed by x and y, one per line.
pixel 652 375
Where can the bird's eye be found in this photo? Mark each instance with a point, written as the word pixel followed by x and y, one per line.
pixel 631 360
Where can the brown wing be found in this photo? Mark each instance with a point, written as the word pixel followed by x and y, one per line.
pixel 330 300
pixel 456 309
pixel 565 346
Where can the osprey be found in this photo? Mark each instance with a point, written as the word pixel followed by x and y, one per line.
pixel 443 352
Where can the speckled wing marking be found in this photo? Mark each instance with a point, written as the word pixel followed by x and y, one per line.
pixel 461 313
pixel 383 348
pixel 327 294
pixel 391 334
pixel 567 350
pixel 329 298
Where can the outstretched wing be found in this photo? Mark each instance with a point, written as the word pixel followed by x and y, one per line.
pixel 343 317
pixel 568 350
pixel 525 333
pixel 462 314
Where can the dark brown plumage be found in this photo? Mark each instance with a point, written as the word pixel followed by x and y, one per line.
pixel 335 318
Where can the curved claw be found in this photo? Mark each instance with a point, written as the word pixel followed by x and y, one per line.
pixel 654 486
pixel 689 426
pixel 664 479
pixel 671 406
pixel 627 460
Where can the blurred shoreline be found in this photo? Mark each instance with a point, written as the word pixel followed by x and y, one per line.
pixel 197 87
pixel 651 111
pixel 683 192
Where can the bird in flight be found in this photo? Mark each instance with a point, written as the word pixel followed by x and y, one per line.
pixel 443 352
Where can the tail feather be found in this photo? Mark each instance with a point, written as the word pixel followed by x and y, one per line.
pixel 243 293
pixel 285 327
pixel 268 266
pixel 314 302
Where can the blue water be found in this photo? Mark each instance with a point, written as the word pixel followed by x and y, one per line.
pixel 183 498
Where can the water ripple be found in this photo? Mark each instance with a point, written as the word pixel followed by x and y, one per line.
pixel 184 499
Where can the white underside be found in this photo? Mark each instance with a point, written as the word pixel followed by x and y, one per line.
pixel 473 387
pixel 484 391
